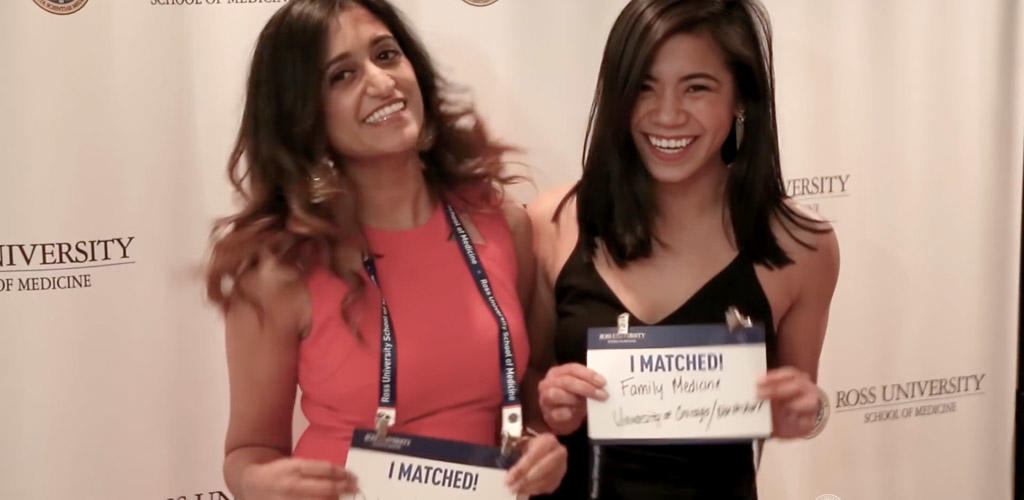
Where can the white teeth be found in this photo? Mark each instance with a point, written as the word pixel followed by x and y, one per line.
pixel 383 113
pixel 669 145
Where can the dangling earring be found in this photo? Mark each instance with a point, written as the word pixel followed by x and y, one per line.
pixel 740 119
pixel 322 181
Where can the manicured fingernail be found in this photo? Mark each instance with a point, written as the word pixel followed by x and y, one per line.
pixel 602 394
pixel 599 380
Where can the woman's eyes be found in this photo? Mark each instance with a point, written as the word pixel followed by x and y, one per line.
pixel 388 55
pixel 340 76
pixel 692 89
pixel 384 56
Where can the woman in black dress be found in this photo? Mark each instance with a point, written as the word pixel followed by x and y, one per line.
pixel 679 214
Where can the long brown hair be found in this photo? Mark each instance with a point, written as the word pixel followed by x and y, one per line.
pixel 282 142
pixel 615 202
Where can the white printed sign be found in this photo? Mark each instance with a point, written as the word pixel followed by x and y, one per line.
pixel 670 384
pixel 403 467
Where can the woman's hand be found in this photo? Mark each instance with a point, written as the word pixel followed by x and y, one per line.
pixel 563 395
pixel 794 399
pixel 296 479
pixel 541 467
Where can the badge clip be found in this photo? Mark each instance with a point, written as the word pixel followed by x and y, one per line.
pixel 511 428
pixel 736 320
pixel 623 324
pixel 385 418
pixel 508 444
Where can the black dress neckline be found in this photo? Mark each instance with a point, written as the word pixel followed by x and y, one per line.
pixel 583 300
pixel 693 298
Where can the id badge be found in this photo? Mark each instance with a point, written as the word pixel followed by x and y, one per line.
pixel 404 467
pixel 678 384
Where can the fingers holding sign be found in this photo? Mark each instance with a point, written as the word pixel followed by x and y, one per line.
pixel 541 467
pixel 794 399
pixel 564 392
pixel 295 478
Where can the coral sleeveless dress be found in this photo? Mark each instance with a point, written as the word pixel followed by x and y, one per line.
pixel 448 379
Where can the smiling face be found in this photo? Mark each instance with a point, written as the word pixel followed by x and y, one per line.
pixel 685 108
pixel 372 101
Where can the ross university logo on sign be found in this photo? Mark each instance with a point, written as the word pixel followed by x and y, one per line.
pixel 61 7
pixel 817 192
pixel 209 495
pixel 910 399
pixel 60 265
pixel 209 3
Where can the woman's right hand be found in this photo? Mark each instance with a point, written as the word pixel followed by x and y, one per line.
pixel 297 479
pixel 563 395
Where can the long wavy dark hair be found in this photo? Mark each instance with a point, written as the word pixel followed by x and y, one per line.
pixel 282 143
pixel 615 202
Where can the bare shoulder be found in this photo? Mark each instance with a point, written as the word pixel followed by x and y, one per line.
pixel 810 242
pixel 554 232
pixel 544 207
pixel 517 218
pixel 522 237
pixel 276 292
pixel 522 242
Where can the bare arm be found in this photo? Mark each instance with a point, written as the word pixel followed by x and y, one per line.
pixel 808 285
pixel 526 285
pixel 262 367
pixel 552 244
pixel 543 463
pixel 801 330
pixel 562 392
pixel 262 354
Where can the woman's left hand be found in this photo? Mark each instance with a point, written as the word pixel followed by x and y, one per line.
pixel 541 467
pixel 794 399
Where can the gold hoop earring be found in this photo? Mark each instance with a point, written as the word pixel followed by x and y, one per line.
pixel 322 185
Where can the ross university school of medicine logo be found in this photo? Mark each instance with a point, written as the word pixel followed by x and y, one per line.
pixel 61 7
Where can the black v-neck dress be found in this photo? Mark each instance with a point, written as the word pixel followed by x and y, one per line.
pixel 651 472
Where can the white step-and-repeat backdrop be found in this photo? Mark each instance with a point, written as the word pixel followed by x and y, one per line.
pixel 902 121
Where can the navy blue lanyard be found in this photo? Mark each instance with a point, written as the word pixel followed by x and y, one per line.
pixel 511 421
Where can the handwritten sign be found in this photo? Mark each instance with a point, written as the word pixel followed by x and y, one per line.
pixel 671 384
pixel 403 467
